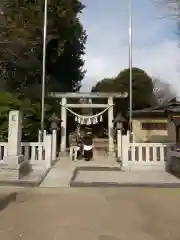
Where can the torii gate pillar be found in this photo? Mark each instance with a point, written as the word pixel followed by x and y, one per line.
pixel 63 124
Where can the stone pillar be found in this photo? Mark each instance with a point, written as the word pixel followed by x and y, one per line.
pixel 14 133
pixel 171 140
pixel 54 144
pixel 14 163
pixel 110 125
pixel 63 124
pixel 125 151
pixel 119 144
pixel 48 150
pixel 39 135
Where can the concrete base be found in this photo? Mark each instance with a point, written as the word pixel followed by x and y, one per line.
pixel 113 178
pixel 104 173
pixel 32 179
pixel 14 167
pixel 13 160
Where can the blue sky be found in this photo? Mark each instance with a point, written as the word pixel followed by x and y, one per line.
pixel 154 40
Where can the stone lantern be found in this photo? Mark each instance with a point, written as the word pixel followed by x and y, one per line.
pixel 54 122
pixel 119 121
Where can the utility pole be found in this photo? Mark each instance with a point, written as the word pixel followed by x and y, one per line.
pixel 44 68
pixel 130 69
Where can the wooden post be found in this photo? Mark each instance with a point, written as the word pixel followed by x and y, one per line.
pixel 110 125
pixel 63 124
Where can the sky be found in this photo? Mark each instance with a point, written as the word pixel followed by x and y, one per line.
pixel 155 40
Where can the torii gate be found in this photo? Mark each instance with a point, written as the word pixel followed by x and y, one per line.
pixel 110 103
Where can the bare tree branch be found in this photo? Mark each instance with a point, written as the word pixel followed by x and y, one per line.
pixel 163 91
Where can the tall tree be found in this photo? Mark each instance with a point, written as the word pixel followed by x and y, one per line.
pixel 104 85
pixel 142 88
pixel 21 39
pixel 65 66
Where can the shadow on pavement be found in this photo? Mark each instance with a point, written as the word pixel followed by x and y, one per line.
pixel 6 200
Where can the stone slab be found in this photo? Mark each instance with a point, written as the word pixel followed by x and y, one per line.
pixel 58 178
pixel 13 161
pixel 15 171
pixel 114 178
pixel 101 173
pixel 33 179
pixel 62 173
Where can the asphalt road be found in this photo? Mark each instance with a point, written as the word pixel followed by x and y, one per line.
pixel 90 214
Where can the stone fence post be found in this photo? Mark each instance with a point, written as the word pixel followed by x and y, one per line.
pixel 125 151
pixel 119 144
pixel 15 166
pixel 48 150
pixel 39 135
pixel 54 144
pixel 168 158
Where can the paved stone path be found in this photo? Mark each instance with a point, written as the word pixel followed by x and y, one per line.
pixel 62 173
pixel 116 178
pixel 91 214
pixel 103 173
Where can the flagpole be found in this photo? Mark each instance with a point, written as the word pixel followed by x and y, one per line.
pixel 130 69
pixel 44 68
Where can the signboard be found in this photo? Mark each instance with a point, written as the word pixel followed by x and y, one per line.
pixel 155 121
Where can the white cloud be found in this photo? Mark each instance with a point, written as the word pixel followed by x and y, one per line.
pixel 160 60
pixel 155 49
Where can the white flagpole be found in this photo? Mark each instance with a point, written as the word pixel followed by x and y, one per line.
pixel 130 68
pixel 44 67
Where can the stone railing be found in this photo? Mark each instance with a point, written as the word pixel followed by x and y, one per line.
pixel 19 159
pixel 39 154
pixel 144 156
pixel 34 152
pixel 148 152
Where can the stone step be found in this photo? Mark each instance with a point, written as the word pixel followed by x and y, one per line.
pixel 33 179
pixel 96 163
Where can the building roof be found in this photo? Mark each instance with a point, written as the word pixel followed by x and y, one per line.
pixel 159 110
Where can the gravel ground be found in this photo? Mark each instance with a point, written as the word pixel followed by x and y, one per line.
pixel 90 214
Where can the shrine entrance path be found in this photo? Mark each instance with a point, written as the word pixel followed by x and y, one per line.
pixel 65 171
pixel 91 214
pixel 103 172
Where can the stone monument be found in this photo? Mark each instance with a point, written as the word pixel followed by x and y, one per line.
pixel 14 166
